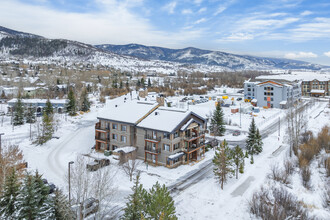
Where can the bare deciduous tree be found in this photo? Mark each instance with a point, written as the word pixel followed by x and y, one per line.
pixel 130 168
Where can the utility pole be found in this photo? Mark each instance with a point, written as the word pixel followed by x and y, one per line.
pixel 71 162
pixel 0 142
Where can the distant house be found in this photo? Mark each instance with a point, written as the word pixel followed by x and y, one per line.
pixel 39 104
pixel 163 136
pixel 272 94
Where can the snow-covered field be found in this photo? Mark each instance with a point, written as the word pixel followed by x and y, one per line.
pixel 203 199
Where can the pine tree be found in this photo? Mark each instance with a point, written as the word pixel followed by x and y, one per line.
pixel 48 110
pixel 120 84
pixel 47 129
pixel 30 115
pixel 114 84
pixel 258 143
pixel 251 137
pixel 217 121
pixel 251 161
pixel 159 203
pixel 135 205
pixel 246 154
pixel 8 199
pixel 85 105
pixel 19 112
pixel 223 163
pixel 27 201
pixel 149 83
pixel 62 206
pixel 71 105
pixel 241 168
pixel 143 83
pixel 238 159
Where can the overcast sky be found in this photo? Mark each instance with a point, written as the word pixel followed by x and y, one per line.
pixel 295 29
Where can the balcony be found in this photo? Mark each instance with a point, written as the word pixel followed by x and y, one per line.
pixel 152 150
pixel 152 138
pixel 194 147
pixel 104 139
pixel 98 127
pixel 194 136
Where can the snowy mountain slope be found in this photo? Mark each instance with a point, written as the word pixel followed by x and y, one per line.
pixel 5 32
pixel 192 55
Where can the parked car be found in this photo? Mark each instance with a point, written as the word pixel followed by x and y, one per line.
pixel 212 143
pixel 236 133
pixel 239 99
pixel 51 186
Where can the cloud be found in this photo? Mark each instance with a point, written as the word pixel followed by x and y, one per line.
pixel 305 13
pixel 198 2
pixel 327 54
pixel 300 55
pixel 186 11
pixel 219 10
pixel 170 7
pixel 237 37
pixel 202 10
pixel 200 21
pixel 115 23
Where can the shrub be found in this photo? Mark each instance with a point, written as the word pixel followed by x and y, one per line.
pixel 306 177
pixel 288 167
pixel 276 203
pixel 278 175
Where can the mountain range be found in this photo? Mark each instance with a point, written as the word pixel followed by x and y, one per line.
pixel 16 45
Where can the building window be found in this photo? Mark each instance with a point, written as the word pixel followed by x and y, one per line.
pixel 265 93
pixel 176 134
pixel 114 147
pixel 114 126
pixel 166 147
pixel 123 128
pixel 271 99
pixel 176 146
pixel 114 136
pixel 265 98
pixel 167 135
pixel 265 88
pixel 123 139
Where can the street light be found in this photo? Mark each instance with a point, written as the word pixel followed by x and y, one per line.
pixel 71 162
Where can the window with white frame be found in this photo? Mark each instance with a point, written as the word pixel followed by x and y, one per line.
pixel 114 136
pixel 166 147
pixel 123 128
pixel 123 139
pixel 114 126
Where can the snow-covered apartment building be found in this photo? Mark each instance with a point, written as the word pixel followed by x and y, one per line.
pixel 162 135
pixel 272 94
pixel 39 104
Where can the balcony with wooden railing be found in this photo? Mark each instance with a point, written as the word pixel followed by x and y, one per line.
pixel 102 139
pixel 100 128
pixel 193 147
pixel 152 150
pixel 194 135
pixel 152 138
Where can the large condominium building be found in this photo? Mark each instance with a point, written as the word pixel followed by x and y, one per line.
pixel 163 136
pixel 272 94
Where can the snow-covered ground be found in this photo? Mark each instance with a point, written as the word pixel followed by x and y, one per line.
pixel 203 199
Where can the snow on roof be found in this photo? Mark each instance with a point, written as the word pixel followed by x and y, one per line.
pixel 30 88
pixel 317 91
pixel 283 102
pixel 254 100
pixel 307 76
pixel 38 101
pixel 187 124
pixel 129 111
pixel 127 149
pixel 164 119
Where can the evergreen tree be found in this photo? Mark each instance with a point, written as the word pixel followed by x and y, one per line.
pixel 30 115
pixel 251 161
pixel 246 154
pixel 135 205
pixel 258 143
pixel 114 84
pixel 8 199
pixel 71 105
pixel 217 121
pixel 223 163
pixel 241 168
pixel 250 141
pixel 238 159
pixel 62 206
pixel 27 201
pixel 19 112
pixel 159 203
pixel 149 83
pixel 47 129
pixel 3 95
pixel 85 105
pixel 48 110
pixel 120 84
pixel 143 83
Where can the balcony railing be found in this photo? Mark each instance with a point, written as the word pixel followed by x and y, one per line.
pixel 150 149
pixel 98 126
pixel 194 146
pixel 153 138
pixel 106 139
pixel 193 136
